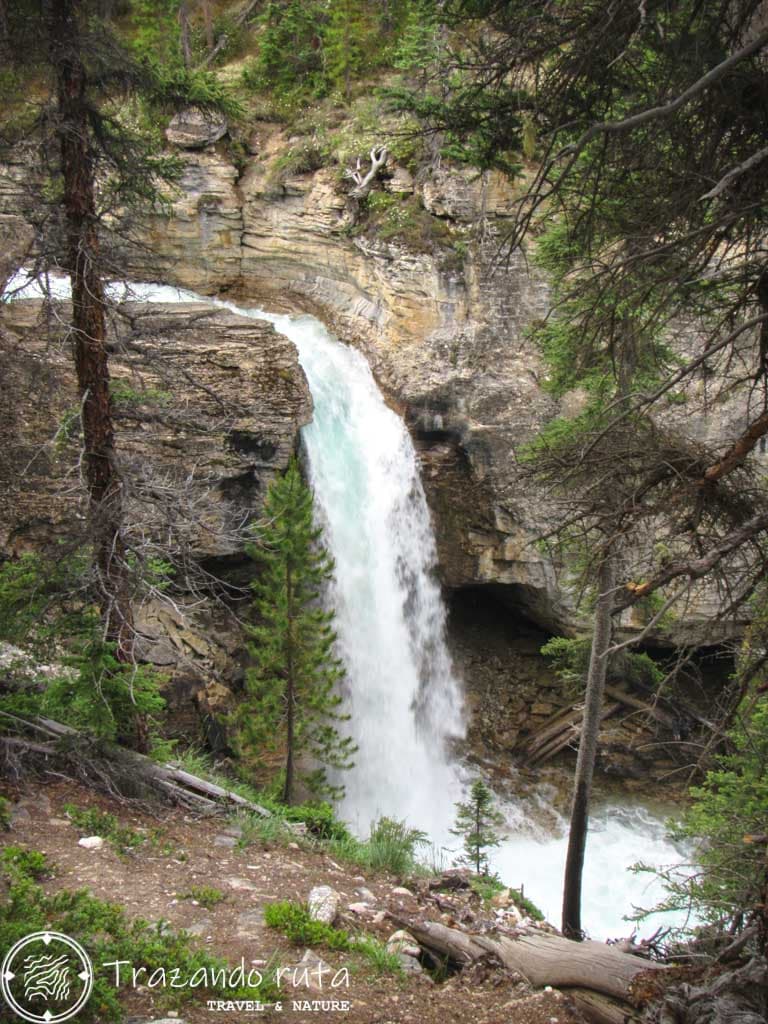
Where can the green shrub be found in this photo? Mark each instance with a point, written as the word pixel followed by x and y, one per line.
pixel 44 608
pixel 320 820
pixel 90 821
pixel 570 659
pixel 486 886
pixel 206 895
pixel 18 862
pixel 391 846
pixel 294 921
pixel 377 955
pixel 107 935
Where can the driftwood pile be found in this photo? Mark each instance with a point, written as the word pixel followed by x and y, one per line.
pixel 563 729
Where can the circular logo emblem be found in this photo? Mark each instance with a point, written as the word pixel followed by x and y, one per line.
pixel 46 978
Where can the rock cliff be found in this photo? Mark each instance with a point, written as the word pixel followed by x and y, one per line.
pixel 428 293
pixel 208 406
pixel 441 315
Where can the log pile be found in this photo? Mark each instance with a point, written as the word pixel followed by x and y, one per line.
pixel 598 978
pixel 563 729
pixel 124 767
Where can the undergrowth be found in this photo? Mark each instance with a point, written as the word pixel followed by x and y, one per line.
pixel 295 922
pixel 108 936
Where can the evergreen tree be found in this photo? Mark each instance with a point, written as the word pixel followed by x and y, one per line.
pixel 96 171
pixel 346 36
pixel 476 822
pixel 291 709
pixel 290 57
pixel 419 42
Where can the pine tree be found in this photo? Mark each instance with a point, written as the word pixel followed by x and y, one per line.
pixel 291 709
pixel 347 33
pixel 476 822
pixel 419 42
pixel 290 48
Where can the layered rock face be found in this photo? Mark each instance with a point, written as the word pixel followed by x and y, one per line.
pixel 207 409
pixel 445 337
pixel 443 325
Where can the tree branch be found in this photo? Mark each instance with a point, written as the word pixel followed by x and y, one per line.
pixel 738 451
pixel 698 567
pixel 735 173
pixel 667 109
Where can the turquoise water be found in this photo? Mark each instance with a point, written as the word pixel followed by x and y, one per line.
pixel 401 689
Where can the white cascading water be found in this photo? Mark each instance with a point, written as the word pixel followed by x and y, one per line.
pixel 402 693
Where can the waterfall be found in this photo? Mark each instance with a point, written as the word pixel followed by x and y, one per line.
pixel 401 690
pixel 402 693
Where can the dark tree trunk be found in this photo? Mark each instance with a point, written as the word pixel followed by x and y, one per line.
pixel 89 331
pixel 208 18
pixel 5 37
pixel 186 49
pixel 585 763
pixel 290 694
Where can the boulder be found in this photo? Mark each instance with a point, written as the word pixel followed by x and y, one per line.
pixel 195 129
pixel 91 842
pixel 323 903
pixel 403 943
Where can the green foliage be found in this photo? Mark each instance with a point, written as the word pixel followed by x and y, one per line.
pixel 476 821
pixel 320 820
pixel 290 59
pixel 294 921
pixel 121 392
pixel 400 218
pixel 154 31
pixel 570 658
pixel 726 823
pixel 19 862
pixel 489 885
pixel 266 831
pixel 291 707
pixel 419 43
pixel 351 27
pixel 391 846
pixel 526 906
pixel 206 895
pixel 5 813
pixel 375 953
pixel 90 821
pixel 107 935
pixel 486 886
pixel 169 87
pixel 42 608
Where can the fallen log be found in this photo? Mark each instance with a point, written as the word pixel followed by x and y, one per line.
pixel 600 976
pixel 599 1009
pixel 567 732
pixel 175 783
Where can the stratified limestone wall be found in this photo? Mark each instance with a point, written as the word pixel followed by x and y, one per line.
pixel 444 330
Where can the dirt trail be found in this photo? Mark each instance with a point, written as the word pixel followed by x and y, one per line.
pixel 188 853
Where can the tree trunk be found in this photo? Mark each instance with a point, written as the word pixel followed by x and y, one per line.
pixel 585 763
pixel 5 38
pixel 186 49
pixel 290 693
pixel 208 18
pixel 602 975
pixel 89 331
